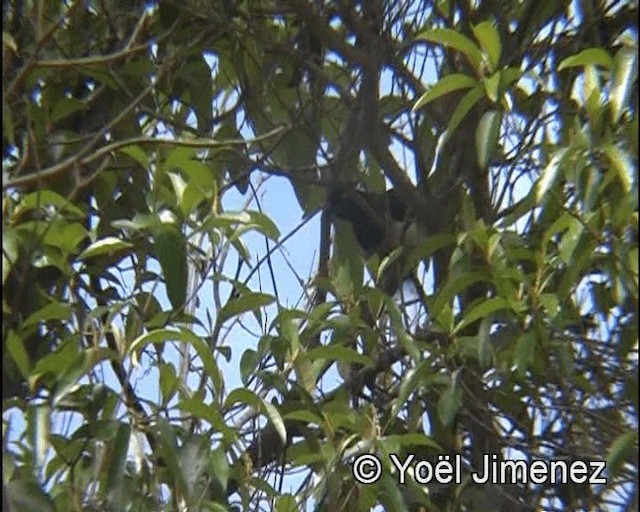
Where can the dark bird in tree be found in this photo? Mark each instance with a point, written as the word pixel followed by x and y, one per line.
pixel 381 223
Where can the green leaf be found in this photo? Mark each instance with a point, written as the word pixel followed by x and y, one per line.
pixel 525 350
pixel 487 135
pixel 622 449
pixel 561 224
pixel 245 396
pixel 412 380
pixel 51 311
pixel 463 108
pixel 286 503
pixel 550 174
pixel 622 163
pixel 187 336
pixel 168 381
pixel 588 57
pixel 10 250
pixel 198 77
pixel 288 321
pixel 398 326
pixel 200 182
pixel 303 415
pixel 180 157
pixel 179 185
pixel 249 398
pixel 444 86
pixel 109 246
pixel 570 240
pixel 251 301
pixel 43 198
pixel 339 353
pixel 348 266
pixel 65 107
pixel 27 496
pixel 427 247
pixel 206 412
pixel 624 75
pixel 592 92
pixel 170 249
pixel 248 364
pixel 265 225
pixel 391 494
pixel 298 147
pixel 551 303
pixel 65 236
pixel 16 350
pixel 193 460
pixel 454 286
pixel 450 401
pixel 9 41
pixel 57 361
pixel 117 465
pixel 386 263
pixel 67 381
pixel 220 466
pixel 137 153
pixel 492 86
pixel 489 38
pixel 274 415
pixel 139 222
pixel 453 39
pixel 247 220
pixel 169 450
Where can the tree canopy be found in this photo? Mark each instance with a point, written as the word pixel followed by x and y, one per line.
pixel 164 348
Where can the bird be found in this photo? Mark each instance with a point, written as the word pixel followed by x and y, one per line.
pixel 382 223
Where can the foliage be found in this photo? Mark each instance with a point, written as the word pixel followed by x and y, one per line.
pixel 137 140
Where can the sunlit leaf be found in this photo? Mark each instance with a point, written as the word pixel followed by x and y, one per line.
pixel 44 198
pixel 492 87
pixel 570 240
pixel 487 135
pixel 550 174
pixel 623 164
pixel 457 41
pixel 588 57
pixel 624 74
pixel 489 38
pixel 445 85
pixel 106 246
